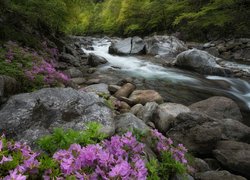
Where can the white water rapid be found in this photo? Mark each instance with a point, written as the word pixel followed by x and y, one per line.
pixel 237 89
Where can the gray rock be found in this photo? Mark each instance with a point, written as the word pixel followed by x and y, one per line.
pixel 68 58
pixel 218 175
pixel 128 122
pixel 113 88
pixel 200 61
pixel 98 89
pixel 70 50
pixel 181 177
pixel 138 46
pixel 213 51
pixel 164 46
pixel 93 81
pixel 234 155
pixel 74 73
pixel 218 107
pixel 94 60
pixel 200 133
pixel 78 81
pixel 166 114
pixel 28 115
pixel 200 165
pixel 213 163
pixel 136 108
pixel 128 46
pixel 147 112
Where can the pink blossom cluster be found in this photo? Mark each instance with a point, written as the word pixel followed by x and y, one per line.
pixel 50 74
pixel 43 63
pixel 166 144
pixel 28 162
pixel 121 157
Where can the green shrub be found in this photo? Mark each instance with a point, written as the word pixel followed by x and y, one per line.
pixel 165 167
pixel 62 139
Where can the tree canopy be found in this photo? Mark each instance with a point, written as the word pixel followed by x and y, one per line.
pixel 194 19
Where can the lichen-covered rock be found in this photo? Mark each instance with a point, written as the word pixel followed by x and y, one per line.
pixel 30 115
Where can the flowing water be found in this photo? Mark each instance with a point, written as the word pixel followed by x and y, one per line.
pixel 174 85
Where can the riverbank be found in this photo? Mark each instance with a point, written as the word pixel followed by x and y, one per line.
pixel 201 111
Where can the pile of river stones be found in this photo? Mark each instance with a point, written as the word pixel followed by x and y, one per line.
pixel 212 130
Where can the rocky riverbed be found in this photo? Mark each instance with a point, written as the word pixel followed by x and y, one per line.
pixel 190 95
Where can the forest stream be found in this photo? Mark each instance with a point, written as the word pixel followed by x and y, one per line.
pixel 173 84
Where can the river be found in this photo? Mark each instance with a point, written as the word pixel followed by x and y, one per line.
pixel 173 84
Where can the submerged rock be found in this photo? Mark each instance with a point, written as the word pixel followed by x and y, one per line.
pixel 30 115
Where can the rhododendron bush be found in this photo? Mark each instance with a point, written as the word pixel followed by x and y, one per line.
pixel 33 69
pixel 119 157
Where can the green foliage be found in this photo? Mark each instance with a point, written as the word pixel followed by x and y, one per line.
pixel 108 102
pixel 165 167
pixel 195 19
pixel 62 139
pixel 47 162
pixel 16 159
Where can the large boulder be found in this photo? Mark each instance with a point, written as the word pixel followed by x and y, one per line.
pixel 8 86
pixel 218 107
pixel 200 133
pixel 164 46
pixel 234 155
pixel 166 114
pixel 95 60
pixel 134 45
pixel 128 122
pixel 200 61
pixel 144 96
pixel 217 175
pixel 28 116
